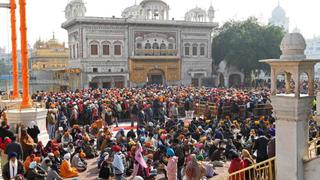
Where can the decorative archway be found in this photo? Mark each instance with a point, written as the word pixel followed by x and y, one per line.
pixel 156 76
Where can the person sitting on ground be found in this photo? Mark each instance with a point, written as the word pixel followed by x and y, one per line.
pixel 78 162
pixel 53 173
pixel 66 171
pixel 35 172
pixel 30 159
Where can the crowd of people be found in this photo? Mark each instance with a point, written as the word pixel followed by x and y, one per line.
pixel 159 141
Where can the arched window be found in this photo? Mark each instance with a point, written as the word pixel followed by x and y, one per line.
pixel 155 46
pixel 106 49
pixel 117 49
pixel 195 50
pixel 170 46
pixel 139 46
pixel 202 50
pixel 94 48
pixel 187 49
pixel 147 46
pixel 163 46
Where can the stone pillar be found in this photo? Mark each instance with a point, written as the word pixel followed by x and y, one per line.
pixel 292 135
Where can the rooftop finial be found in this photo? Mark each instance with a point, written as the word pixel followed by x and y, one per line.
pixel 135 2
pixel 278 2
pixel 53 36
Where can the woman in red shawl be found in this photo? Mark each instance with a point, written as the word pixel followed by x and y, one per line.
pixel 236 165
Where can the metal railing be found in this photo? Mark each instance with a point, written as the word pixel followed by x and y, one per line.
pixel 261 171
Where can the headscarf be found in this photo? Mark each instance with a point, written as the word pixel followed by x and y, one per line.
pixel 192 167
pixel 139 158
pixel 67 156
pixel 33 164
pixel 118 162
pixel 32 124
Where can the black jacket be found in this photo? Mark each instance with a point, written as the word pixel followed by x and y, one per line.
pixel 14 147
pixel 6 171
pixel 261 145
pixel 6 133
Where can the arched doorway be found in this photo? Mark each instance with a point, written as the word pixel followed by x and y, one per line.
pixel 156 76
pixel 234 80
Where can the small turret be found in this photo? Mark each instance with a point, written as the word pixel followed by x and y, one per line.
pixel 75 8
pixel 211 13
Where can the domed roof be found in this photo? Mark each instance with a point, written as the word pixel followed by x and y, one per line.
pixel 152 1
pixel 197 10
pixel 131 10
pixel 293 46
pixel 278 12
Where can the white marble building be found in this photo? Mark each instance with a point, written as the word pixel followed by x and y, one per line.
pixel 279 18
pixel 143 46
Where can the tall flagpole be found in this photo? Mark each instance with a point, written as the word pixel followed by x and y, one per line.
pixel 24 57
pixel 15 81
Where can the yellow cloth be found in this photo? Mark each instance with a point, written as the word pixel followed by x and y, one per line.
pixel 66 171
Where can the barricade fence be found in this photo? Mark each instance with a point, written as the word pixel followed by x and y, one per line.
pixel 261 171
pixel 201 108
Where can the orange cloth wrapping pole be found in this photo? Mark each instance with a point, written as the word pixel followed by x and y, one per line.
pixel 15 93
pixel 24 57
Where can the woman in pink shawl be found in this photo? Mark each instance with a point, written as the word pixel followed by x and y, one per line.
pixel 140 164
pixel 171 166
pixel 193 170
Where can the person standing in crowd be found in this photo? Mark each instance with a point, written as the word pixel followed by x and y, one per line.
pixel 13 168
pixel 261 146
pixel 52 123
pixel 27 143
pixel 33 131
pixel 14 147
pixel 247 162
pixel 193 170
pixel 235 165
pixel 117 163
pixel 171 167
pixel 179 152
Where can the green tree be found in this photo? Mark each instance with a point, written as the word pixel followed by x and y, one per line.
pixel 243 43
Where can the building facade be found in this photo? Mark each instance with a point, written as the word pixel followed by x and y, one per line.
pixel 48 63
pixel 143 46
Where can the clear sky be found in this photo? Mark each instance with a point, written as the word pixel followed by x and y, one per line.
pixel 45 16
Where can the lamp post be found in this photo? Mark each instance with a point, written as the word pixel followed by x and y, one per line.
pixel 24 57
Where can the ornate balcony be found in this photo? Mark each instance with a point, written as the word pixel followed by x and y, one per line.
pixel 156 52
